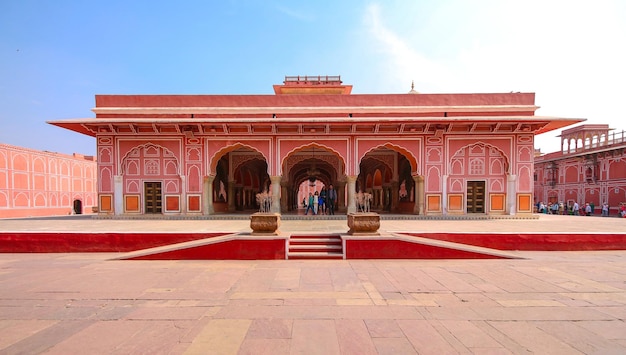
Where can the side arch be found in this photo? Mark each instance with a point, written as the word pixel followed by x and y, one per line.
pixel 397 148
pixel 214 159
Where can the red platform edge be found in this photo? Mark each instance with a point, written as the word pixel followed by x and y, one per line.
pixel 238 249
pixel 91 242
pixel 534 241
pixel 258 249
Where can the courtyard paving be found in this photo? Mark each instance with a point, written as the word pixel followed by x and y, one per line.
pixel 88 303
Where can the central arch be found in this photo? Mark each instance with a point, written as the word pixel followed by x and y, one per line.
pixel 309 168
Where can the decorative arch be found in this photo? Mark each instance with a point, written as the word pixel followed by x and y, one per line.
pixel 215 158
pixel 399 149
pixel 486 147
pixel 135 152
pixel 341 159
pixel 39 165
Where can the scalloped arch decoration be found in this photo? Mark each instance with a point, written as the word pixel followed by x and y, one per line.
pixel 399 149
pixel 338 155
pixel 214 159
pixel 153 149
pixel 471 146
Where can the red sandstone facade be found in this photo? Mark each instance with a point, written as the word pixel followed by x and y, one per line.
pixel 415 153
pixel 590 168
pixel 36 183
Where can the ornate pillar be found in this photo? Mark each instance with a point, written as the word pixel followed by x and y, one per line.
pixel 118 194
pixel 395 195
pixel 511 194
pixel 418 190
pixel 231 196
pixel 207 192
pixel 275 188
pixel 351 193
pixel 286 199
pixel 341 195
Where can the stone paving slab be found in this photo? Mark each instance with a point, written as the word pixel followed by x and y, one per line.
pixel 548 302
pixel 545 223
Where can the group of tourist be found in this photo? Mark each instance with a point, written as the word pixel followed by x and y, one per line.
pixel 622 209
pixel 322 202
pixel 575 209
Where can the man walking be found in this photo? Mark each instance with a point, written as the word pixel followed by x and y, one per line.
pixel 331 195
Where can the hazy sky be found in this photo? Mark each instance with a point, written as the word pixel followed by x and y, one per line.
pixel 56 55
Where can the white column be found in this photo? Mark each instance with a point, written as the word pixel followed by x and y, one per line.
pixel 444 194
pixel 511 194
pixel 418 208
pixel 183 194
pixel 207 193
pixel 118 194
pixel 351 193
pixel 275 188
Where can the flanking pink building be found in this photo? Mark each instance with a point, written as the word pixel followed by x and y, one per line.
pixel 41 183
pixel 415 153
pixel 590 168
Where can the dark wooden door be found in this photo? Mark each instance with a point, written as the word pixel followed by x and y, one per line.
pixel 475 197
pixel 152 197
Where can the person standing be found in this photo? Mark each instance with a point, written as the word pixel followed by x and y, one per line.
pixel 316 201
pixel 323 200
pixel 332 197
pixel 309 206
pixel 575 209
pixel 605 209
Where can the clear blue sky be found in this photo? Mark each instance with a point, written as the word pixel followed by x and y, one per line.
pixel 56 55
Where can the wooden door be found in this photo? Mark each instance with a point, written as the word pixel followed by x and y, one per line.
pixel 152 197
pixel 475 197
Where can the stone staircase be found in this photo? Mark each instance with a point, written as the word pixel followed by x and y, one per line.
pixel 324 246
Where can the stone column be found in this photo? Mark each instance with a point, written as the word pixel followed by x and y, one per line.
pixel 207 192
pixel 395 195
pixel 275 188
pixel 511 194
pixel 183 194
pixel 340 186
pixel 285 200
pixel 118 194
pixel 351 193
pixel 418 183
pixel 231 196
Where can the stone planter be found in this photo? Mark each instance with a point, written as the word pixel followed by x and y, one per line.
pixel 364 223
pixel 265 223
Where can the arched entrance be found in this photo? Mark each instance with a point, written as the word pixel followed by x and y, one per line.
pixel 239 175
pixel 310 169
pixel 388 176
pixel 78 206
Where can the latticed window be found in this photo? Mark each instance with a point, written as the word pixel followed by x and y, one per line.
pixel 477 167
pixel 152 167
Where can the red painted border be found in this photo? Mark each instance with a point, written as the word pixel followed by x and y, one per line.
pixel 399 249
pixel 74 242
pixel 534 241
pixel 248 249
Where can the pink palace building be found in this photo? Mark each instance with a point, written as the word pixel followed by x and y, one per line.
pixel 590 168
pixel 40 183
pixel 427 154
